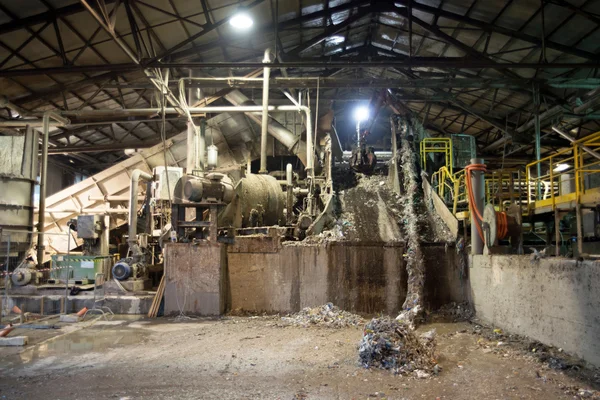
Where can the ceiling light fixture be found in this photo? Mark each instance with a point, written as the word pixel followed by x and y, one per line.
pixel 241 21
pixel 361 113
pixel 561 167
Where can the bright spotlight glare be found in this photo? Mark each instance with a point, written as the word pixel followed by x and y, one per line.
pixel 361 114
pixel 241 21
pixel 337 39
pixel 561 167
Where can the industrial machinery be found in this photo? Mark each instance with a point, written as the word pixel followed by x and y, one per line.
pixel 17 178
pixel 203 195
pixel 500 225
pixel 26 273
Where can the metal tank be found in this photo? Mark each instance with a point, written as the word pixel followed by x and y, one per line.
pixel 18 174
pixel 259 201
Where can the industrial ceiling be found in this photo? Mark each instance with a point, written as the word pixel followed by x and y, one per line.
pixel 483 68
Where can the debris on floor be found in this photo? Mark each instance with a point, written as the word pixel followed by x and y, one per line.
pixel 327 315
pixel 393 345
pixel 454 312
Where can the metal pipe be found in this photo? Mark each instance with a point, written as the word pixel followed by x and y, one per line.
pixel 265 114
pixel 570 139
pixel 309 142
pixel 191 148
pixel 478 185
pixel 133 194
pixel 112 198
pixel 43 177
pixel 68 268
pixel 275 129
pixel 289 175
pixel 200 149
pixel 86 211
pixel 36 123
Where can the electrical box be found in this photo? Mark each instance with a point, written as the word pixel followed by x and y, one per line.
pixel 89 226
pixel 161 186
pixel 80 268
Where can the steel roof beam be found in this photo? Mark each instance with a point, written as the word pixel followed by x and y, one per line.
pixel 486 26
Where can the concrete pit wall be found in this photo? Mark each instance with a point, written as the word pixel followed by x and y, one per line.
pixel 370 278
pixel 555 301
pixel 121 304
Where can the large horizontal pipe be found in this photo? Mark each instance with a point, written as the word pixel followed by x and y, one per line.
pixel 85 211
pixel 101 147
pixel 275 129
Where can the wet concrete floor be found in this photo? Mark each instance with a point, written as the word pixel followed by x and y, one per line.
pixel 255 358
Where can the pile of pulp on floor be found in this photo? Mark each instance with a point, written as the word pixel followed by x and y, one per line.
pixel 391 344
pixel 326 315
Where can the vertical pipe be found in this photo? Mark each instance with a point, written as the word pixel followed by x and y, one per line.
pixel 265 114
pixel 6 279
pixel 309 143
pixel 68 271
pixel 538 137
pixel 478 185
pixel 43 176
pixel 191 149
pixel 289 175
pixel 579 229
pixel 557 232
pixel 201 149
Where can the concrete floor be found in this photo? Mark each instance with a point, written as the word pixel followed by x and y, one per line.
pixel 250 358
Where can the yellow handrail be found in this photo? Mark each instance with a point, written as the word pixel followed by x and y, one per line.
pixel 562 176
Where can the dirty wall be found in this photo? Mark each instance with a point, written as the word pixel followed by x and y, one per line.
pixel 555 301
pixel 360 277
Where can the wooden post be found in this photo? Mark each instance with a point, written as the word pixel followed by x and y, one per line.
pixel 42 306
pixel 62 305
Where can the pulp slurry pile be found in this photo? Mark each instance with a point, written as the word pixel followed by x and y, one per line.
pixel 326 315
pixel 393 345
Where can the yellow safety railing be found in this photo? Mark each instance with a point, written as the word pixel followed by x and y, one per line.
pixel 565 176
pixel 504 187
pixel 436 145
pixel 450 187
pixel 501 187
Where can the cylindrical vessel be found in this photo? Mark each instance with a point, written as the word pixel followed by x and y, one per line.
pixel 213 156
pixel 18 173
pixel 260 194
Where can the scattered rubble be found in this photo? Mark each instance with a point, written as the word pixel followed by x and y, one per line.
pixel 393 345
pixel 454 312
pixel 326 315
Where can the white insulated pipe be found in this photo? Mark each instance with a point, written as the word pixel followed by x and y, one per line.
pixel 265 114
pixel 289 175
pixel 133 195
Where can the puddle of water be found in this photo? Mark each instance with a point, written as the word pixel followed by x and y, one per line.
pixel 83 341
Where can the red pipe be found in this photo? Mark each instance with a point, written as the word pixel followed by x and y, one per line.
pixel 6 330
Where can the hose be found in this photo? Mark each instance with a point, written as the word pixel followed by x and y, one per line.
pixel 501 217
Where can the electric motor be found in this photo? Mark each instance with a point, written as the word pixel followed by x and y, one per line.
pixel 126 268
